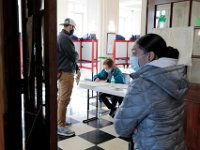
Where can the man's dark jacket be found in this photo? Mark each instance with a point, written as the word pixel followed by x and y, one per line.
pixel 66 53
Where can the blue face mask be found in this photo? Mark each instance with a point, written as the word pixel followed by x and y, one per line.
pixel 108 70
pixel 134 61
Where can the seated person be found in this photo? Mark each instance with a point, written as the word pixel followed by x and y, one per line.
pixel 109 71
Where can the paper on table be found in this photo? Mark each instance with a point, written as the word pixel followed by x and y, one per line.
pixel 95 83
pixel 120 86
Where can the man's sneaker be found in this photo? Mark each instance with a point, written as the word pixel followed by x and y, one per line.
pixel 65 131
pixel 68 123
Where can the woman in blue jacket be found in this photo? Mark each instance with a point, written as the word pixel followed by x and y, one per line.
pixel 152 111
pixel 109 71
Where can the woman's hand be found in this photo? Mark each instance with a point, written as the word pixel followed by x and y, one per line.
pixel 97 80
pixel 78 74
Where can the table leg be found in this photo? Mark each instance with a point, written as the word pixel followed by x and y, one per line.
pixel 92 80
pixel 97 102
pixel 88 103
pixel 88 109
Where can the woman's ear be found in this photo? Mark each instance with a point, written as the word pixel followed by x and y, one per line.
pixel 151 56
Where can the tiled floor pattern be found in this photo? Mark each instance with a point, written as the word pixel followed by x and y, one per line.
pixel 95 135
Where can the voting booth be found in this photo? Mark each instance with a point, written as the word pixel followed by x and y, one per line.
pixel 88 54
pixel 77 44
pixel 122 52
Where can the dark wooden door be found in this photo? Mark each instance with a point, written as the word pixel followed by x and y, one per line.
pixel 192 118
pixel 39 70
pixel 11 86
pixel 35 91
pixel 1 83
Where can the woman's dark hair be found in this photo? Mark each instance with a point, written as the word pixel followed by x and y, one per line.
pixel 156 44
pixel 108 62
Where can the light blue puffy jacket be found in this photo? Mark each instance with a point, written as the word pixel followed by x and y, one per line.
pixel 152 111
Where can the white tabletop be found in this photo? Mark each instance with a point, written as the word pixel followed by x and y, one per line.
pixel 115 89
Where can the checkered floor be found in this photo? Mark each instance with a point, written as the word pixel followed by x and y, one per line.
pixel 95 135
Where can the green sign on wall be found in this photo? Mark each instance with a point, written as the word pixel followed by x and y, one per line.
pixel 197 21
pixel 162 18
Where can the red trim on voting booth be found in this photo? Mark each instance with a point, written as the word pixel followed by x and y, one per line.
pixel 93 61
pixel 126 57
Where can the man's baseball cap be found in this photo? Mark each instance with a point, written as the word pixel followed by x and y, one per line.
pixel 69 21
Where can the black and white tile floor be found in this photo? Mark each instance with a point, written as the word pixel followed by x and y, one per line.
pixel 95 135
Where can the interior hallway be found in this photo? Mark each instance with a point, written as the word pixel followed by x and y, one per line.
pixel 95 135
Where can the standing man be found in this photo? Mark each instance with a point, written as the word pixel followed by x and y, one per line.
pixel 66 67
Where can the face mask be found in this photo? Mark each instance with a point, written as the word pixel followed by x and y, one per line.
pixel 134 61
pixel 71 32
pixel 108 70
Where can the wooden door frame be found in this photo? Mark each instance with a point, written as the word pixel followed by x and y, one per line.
pixel 1 82
pixel 50 48
pixel 10 82
pixel 44 124
pixel 11 75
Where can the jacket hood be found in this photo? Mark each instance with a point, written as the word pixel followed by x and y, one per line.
pixel 171 79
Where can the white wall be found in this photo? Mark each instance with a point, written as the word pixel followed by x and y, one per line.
pixel 125 22
pixel 109 21
pixel 62 13
pixel 143 17
pixel 137 21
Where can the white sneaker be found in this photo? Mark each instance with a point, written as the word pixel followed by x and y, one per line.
pixel 65 131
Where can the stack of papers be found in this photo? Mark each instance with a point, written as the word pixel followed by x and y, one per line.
pixel 94 84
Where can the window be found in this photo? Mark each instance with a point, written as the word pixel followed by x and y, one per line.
pixel 79 20
pixel 76 10
pixel 163 16
pixel 129 23
pixel 180 14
